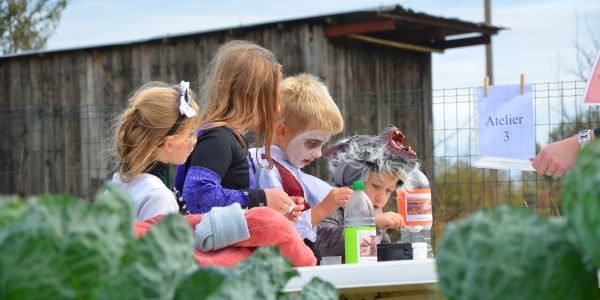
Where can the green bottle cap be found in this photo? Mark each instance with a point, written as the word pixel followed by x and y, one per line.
pixel 358 185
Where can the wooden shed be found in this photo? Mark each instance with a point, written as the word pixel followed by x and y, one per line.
pixel 57 107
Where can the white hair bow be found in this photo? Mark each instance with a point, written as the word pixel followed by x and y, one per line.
pixel 185 100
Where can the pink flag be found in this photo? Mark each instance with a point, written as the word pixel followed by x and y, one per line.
pixel 592 90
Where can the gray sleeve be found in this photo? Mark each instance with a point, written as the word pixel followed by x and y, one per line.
pixel 156 202
pixel 330 235
pixel 221 227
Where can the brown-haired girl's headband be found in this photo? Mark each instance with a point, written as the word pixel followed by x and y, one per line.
pixel 185 107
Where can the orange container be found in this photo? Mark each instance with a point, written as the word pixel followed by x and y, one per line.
pixel 415 207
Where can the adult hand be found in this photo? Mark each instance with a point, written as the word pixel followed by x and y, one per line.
pixel 389 220
pixel 555 159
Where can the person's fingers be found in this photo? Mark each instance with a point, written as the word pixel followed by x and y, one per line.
pixel 542 167
pixel 291 208
pixel 346 194
pixel 297 199
pixel 344 191
pixel 287 201
pixel 536 161
pixel 402 221
pixel 294 215
pixel 287 204
pixel 550 171
pixel 396 220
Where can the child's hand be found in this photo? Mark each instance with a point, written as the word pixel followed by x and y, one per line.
pixel 337 197
pixel 389 220
pixel 294 212
pixel 278 200
pixel 334 199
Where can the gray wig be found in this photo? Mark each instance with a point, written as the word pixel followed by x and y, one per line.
pixel 353 158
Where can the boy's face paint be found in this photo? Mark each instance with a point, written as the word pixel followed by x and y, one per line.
pixel 306 147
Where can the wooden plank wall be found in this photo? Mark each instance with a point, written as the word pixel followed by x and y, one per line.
pixel 57 109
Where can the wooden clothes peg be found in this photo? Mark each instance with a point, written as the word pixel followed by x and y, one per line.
pixel 486 84
pixel 522 83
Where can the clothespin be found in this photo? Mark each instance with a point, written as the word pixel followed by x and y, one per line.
pixel 486 84
pixel 522 83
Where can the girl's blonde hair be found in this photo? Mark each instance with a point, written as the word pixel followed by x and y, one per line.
pixel 142 128
pixel 241 88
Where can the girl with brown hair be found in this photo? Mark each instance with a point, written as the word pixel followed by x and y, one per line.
pixel 157 128
pixel 240 94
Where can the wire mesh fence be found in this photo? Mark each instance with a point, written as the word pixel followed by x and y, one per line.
pixel 460 189
pixel 63 149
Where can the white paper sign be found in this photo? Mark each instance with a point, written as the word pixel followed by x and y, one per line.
pixel 505 127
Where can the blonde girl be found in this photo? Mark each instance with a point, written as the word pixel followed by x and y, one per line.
pixel 240 94
pixel 157 128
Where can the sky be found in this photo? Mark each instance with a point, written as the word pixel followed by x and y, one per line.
pixel 539 39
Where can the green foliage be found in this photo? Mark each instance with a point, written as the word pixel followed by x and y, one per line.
pixel 27 24
pixel 153 266
pixel 260 278
pixel 59 247
pixel 315 289
pixel 511 253
pixel 50 238
pixel 581 201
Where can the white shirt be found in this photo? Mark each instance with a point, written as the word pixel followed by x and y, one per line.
pixel 314 188
pixel 149 194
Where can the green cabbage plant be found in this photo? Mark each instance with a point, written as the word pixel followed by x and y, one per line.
pixel 59 247
pixel 581 201
pixel 512 253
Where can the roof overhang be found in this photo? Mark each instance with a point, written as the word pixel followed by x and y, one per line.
pixel 405 29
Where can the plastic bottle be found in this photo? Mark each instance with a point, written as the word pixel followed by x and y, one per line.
pixel 420 238
pixel 360 238
pixel 414 204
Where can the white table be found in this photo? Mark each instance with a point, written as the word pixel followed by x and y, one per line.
pixel 413 279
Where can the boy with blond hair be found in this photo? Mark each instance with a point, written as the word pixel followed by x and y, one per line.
pixel 307 120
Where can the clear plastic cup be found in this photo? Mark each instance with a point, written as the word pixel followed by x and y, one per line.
pixel 331 260
pixel 419 250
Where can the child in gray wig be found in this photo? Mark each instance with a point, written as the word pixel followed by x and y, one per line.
pixel 385 164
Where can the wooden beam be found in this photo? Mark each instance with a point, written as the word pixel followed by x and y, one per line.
pixel 394 44
pixel 441 23
pixel 358 28
pixel 472 41
pixel 418 36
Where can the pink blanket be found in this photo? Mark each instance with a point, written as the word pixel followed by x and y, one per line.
pixel 267 228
